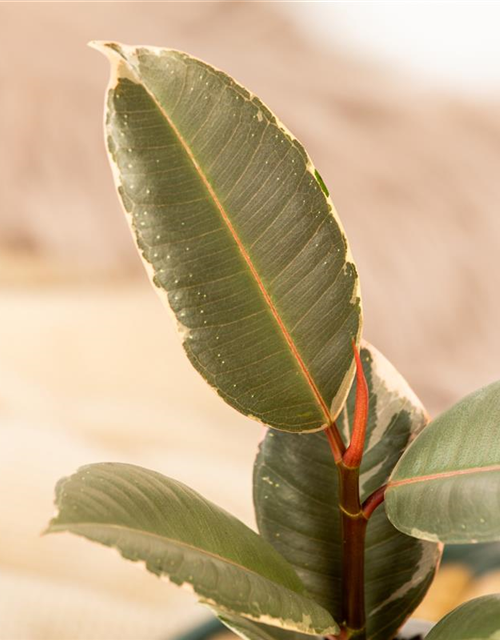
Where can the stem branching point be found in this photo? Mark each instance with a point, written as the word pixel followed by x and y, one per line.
pixel 373 501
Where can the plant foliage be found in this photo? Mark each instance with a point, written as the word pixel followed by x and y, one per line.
pixel 241 240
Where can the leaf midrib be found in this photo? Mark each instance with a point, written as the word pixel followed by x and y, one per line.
pixel 443 474
pixel 288 338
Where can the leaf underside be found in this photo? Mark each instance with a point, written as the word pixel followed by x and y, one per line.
pixel 250 630
pixel 238 235
pixel 178 534
pixel 447 484
pixel 296 502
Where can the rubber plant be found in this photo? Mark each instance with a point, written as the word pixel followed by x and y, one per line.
pixel 237 231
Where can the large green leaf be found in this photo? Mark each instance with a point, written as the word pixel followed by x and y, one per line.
pixel 478 619
pixel 447 484
pixel 238 234
pixel 296 501
pixel 179 534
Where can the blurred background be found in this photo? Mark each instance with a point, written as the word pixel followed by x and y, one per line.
pixel 397 104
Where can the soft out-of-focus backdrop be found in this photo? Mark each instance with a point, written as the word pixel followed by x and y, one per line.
pixel 90 365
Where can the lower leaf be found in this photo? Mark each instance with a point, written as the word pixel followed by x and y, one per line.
pixel 177 533
pixel 478 619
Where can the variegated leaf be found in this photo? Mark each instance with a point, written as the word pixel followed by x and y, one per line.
pixel 239 235
pixel 446 486
pixel 251 630
pixel 178 534
pixel 296 501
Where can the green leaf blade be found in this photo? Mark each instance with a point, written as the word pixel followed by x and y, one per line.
pixel 296 502
pixel 478 619
pixel 180 535
pixel 235 228
pixel 446 486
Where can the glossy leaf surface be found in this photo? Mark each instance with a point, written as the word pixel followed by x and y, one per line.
pixel 478 619
pixel 177 533
pixel 447 485
pixel 296 501
pixel 238 234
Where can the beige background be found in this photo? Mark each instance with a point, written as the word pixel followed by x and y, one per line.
pixel 90 366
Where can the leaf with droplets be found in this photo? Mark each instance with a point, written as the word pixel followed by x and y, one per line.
pixel 238 233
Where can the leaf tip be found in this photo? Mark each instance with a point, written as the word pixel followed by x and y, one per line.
pixel 52 526
pixel 105 47
pixel 119 57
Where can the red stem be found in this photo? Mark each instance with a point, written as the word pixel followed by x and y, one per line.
pixel 354 454
pixel 373 501
pixel 353 525
pixel 353 518
pixel 335 441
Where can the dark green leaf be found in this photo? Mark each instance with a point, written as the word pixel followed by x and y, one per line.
pixel 238 235
pixel 296 501
pixel 179 534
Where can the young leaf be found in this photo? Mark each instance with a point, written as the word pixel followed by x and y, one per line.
pixel 296 502
pixel 447 484
pixel 179 534
pixel 478 619
pixel 238 235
